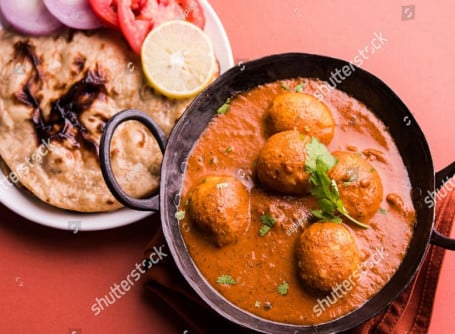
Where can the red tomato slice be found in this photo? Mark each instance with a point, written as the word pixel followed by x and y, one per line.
pixel 138 17
pixel 193 12
pixel 106 10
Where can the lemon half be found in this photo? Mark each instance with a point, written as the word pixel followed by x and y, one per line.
pixel 178 59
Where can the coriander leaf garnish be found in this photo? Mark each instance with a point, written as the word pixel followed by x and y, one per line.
pixel 282 289
pixel 229 149
pixel 315 150
pixel 224 108
pixel 222 185
pixel 267 223
pixel 226 279
pixel 180 215
pixel 382 211
pixel 299 88
pixel 285 87
pixel 318 162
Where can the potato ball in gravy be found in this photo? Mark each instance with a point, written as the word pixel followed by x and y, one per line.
pixel 304 113
pixel 281 163
pixel 213 204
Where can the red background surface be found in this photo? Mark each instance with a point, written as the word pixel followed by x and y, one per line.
pixel 49 279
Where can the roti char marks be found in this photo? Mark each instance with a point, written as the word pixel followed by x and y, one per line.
pixel 319 203
pixel 64 122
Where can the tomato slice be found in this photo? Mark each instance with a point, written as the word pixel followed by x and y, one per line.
pixel 138 17
pixel 106 10
pixel 193 12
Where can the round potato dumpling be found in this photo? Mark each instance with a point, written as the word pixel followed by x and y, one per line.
pixel 281 163
pixel 327 255
pixel 359 185
pixel 304 113
pixel 219 205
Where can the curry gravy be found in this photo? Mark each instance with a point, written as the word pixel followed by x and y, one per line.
pixel 259 265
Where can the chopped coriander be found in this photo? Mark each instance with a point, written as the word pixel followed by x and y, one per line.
pixel 372 170
pixel 224 108
pixel 382 211
pixel 226 279
pixel 267 223
pixel 222 185
pixel 299 88
pixel 204 180
pixel 283 288
pixel 318 162
pixel 318 152
pixel 229 149
pixel 285 87
pixel 180 215
pixel 257 304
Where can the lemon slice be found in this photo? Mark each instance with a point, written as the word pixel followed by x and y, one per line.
pixel 178 59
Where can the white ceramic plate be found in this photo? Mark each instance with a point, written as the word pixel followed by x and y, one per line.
pixel 26 205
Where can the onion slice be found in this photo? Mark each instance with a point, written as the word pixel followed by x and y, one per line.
pixel 29 17
pixel 74 13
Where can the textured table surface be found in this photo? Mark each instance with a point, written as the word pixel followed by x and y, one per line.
pixel 50 279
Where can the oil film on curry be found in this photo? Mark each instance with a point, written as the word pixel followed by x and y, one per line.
pixel 296 209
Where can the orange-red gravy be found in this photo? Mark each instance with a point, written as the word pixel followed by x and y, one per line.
pixel 230 145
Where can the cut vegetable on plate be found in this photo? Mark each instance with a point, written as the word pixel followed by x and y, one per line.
pixel 192 12
pixel 76 14
pixel 138 18
pixel 106 10
pixel 178 59
pixel 29 17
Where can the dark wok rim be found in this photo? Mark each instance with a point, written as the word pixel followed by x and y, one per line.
pixel 412 145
